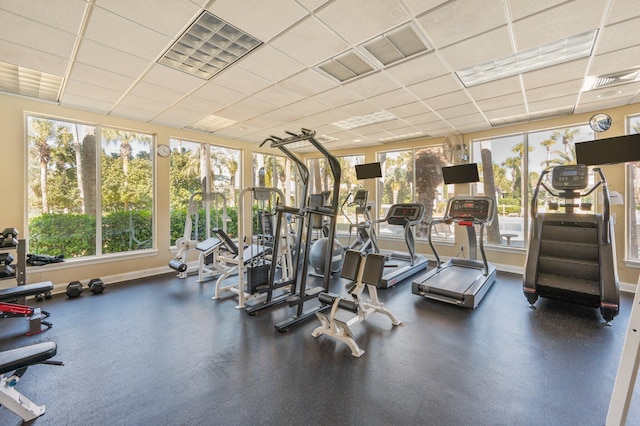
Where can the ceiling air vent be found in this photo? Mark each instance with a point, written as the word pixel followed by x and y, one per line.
pixel 346 66
pixel 27 82
pixel 396 45
pixel 614 79
pixel 208 46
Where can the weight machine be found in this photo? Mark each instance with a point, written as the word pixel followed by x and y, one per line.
pixel 299 293
pixel 365 270
pixel 190 237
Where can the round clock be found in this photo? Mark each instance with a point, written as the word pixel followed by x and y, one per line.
pixel 164 151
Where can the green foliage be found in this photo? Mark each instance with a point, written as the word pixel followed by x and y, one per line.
pixel 125 231
pixel 179 217
pixel 72 235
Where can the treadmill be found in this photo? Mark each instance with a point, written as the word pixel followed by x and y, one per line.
pixel 400 265
pixel 462 282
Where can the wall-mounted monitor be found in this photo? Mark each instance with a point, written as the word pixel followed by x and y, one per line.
pixel 464 173
pixel 621 149
pixel 368 170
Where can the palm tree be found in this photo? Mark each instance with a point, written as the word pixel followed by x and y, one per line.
pixel 40 132
pixel 547 143
pixel 565 135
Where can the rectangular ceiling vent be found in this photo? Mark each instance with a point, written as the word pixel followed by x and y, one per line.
pixel 211 123
pixel 27 82
pixel 614 79
pixel 396 45
pixel 208 46
pixel 346 66
pixel 523 118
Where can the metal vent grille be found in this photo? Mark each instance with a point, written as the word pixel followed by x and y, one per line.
pixel 208 46
pixel 27 82
pixel 396 45
pixel 346 66
pixel 614 79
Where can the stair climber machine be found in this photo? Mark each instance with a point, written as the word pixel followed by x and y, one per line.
pixel 571 255
pixel 399 265
pixel 299 293
pixel 462 282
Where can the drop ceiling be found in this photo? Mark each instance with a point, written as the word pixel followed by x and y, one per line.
pixel 320 64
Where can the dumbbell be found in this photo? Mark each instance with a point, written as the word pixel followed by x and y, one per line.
pixel 10 237
pixel 7 271
pixel 74 289
pixel 6 258
pixel 96 285
pixel 40 297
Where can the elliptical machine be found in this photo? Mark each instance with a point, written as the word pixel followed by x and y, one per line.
pixel 363 241
pixel 571 256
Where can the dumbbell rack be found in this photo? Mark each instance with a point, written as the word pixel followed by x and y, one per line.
pixel 20 265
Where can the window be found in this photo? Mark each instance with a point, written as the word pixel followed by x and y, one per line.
pixel 84 204
pixel 633 195
pixel 276 171
pixel 400 184
pixel 198 169
pixel 515 163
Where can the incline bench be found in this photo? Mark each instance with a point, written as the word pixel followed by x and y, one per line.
pixel 18 360
pixel 9 309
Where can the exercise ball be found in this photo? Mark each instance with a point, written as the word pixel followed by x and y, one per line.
pixel 318 252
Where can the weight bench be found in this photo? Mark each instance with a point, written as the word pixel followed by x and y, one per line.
pixel 10 309
pixel 18 360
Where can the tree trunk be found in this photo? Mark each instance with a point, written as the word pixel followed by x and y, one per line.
pixel 493 230
pixel 77 148
pixel 88 173
pixel 631 200
pixel 43 185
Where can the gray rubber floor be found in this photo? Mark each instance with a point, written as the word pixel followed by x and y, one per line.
pixel 159 351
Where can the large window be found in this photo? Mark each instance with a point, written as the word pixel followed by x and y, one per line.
pixel 90 188
pixel 510 168
pixel 413 176
pixel 198 169
pixel 633 195
pixel 276 171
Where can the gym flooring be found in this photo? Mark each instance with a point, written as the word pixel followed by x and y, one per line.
pixel 159 351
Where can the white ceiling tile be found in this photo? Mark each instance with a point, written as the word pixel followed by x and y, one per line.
pixel 485 47
pixel 437 86
pixel 554 103
pixel 554 90
pixel 615 61
pixel 394 98
pixel 312 5
pixel 196 104
pixel 568 71
pixel 240 81
pixel 495 88
pixel 448 100
pixel 133 112
pixel 473 127
pixel 521 8
pixel 143 104
pixel 326 117
pixel 282 115
pixel 372 85
pixel 277 95
pixel 461 19
pixel 247 108
pixel 270 63
pixel 20 30
pixel 337 97
pixel 261 19
pixel 501 101
pixel 420 6
pixel 308 83
pixel 84 103
pixel 310 32
pixel 105 57
pixel 459 110
pixel 418 69
pixel 557 23
pixel 622 10
pixel 169 17
pixel 619 36
pixel 357 22
pixel 31 58
pixel 218 94
pixel 506 112
pixel 307 107
pixel 92 91
pixel 410 109
pixel 62 14
pixel 100 77
pixel 604 104
pixel 156 93
pixel 173 79
pixel 177 117
pixel 468 120
pixel 423 118
pixel 619 92
pixel 359 108
pixel 119 33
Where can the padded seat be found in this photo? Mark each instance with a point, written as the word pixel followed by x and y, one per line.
pixel 25 290
pixel 25 356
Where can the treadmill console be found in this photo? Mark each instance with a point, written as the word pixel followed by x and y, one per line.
pixel 479 209
pixel 403 213
pixel 570 177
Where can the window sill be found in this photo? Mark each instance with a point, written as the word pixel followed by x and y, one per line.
pixel 93 260
pixel 632 263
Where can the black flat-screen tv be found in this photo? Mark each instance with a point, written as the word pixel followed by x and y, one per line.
pixel 620 149
pixel 368 170
pixel 464 173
